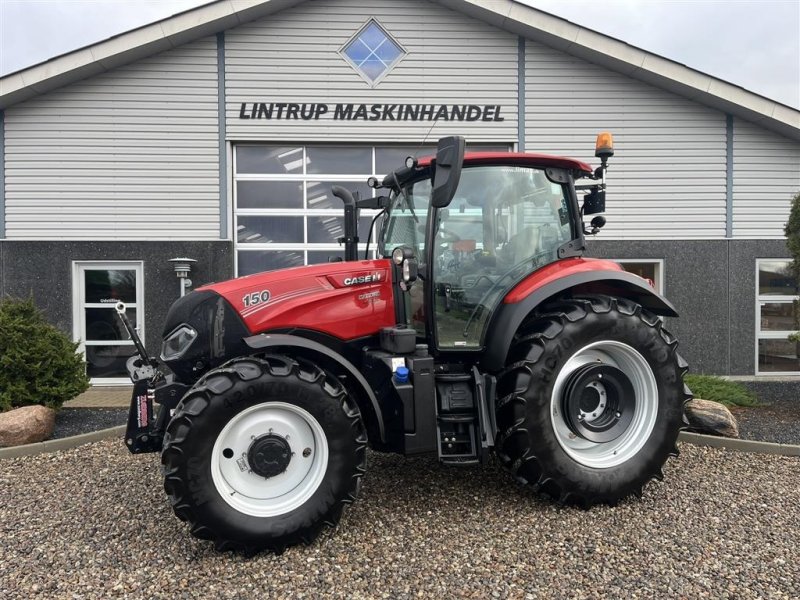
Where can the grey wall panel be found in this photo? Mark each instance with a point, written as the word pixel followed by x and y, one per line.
pixel 712 285
pixel 667 179
pixel 766 175
pixel 293 57
pixel 129 154
pixel 696 282
pixel 44 270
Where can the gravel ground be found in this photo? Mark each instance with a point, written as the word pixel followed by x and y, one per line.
pixel 93 522
pixel 73 421
pixel 774 422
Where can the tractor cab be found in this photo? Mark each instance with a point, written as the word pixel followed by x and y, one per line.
pixel 498 218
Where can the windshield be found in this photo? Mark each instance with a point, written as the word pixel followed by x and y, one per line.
pixel 503 223
pixel 408 213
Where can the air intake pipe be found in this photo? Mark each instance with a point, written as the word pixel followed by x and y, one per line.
pixel 350 238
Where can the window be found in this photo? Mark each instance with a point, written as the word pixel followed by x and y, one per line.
pixel 776 318
pixel 286 215
pixel 652 269
pixel 504 222
pixel 96 289
pixel 372 52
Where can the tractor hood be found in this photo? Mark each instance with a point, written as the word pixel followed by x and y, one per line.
pixel 346 300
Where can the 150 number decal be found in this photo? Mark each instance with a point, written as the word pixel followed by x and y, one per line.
pixel 255 298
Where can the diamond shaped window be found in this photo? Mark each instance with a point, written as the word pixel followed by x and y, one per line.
pixel 372 52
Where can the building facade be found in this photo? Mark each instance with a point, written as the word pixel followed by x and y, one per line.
pixel 217 134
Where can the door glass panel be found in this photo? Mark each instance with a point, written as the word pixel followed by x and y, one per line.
pixel 261 230
pixel 256 261
pixel 775 356
pixel 504 222
pixel 110 286
pixel 269 194
pixel 108 361
pixel 280 160
pixel 339 159
pixel 775 278
pixel 778 316
pixel 103 324
pixel 97 328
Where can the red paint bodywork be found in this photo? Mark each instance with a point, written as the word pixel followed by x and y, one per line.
pixel 528 159
pixel 316 297
pixel 557 270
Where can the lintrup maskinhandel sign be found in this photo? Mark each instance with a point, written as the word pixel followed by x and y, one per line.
pixel 370 112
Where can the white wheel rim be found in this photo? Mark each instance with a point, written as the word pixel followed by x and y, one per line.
pixel 620 450
pixel 253 494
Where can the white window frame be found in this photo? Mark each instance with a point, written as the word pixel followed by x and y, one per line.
pixel 304 247
pixel 303 178
pixel 770 335
pixel 370 82
pixel 78 305
pixel 658 262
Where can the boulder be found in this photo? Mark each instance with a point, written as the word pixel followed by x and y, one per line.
pixel 707 416
pixel 26 425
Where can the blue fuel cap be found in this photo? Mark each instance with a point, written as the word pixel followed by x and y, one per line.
pixel 401 375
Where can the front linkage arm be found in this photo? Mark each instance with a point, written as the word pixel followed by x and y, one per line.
pixel 145 431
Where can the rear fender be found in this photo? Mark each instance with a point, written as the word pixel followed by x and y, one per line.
pixel 510 315
pixel 327 358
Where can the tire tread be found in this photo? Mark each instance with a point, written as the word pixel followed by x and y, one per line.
pixel 200 397
pixel 545 325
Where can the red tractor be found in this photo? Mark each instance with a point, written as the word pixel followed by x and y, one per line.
pixel 480 329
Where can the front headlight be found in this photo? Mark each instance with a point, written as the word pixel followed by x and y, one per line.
pixel 177 342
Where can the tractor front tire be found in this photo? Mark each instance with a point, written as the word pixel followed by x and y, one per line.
pixel 591 401
pixel 262 453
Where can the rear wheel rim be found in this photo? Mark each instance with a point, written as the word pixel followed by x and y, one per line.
pixel 296 477
pixel 636 426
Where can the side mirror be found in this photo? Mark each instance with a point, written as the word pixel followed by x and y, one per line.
pixel 447 172
pixel 594 202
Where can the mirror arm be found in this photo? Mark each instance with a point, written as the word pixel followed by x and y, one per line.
pixel 379 202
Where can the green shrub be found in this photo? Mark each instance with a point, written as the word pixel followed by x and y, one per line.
pixel 720 390
pixel 38 363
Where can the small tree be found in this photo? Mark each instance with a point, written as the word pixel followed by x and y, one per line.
pixel 792 231
pixel 38 363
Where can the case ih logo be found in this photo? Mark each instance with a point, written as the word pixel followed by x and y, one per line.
pixel 360 279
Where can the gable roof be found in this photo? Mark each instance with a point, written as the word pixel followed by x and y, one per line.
pixel 508 15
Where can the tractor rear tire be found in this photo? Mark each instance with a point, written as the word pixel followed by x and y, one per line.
pixel 262 453
pixel 591 401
